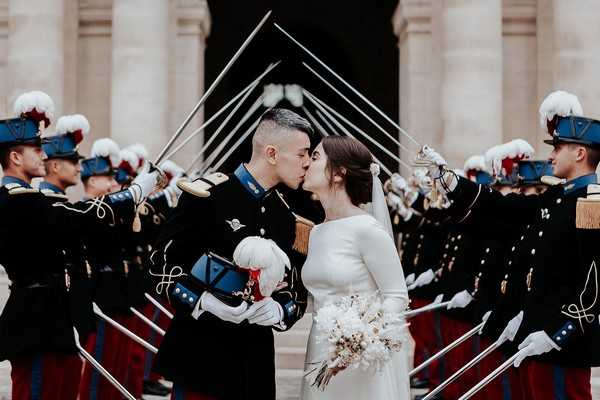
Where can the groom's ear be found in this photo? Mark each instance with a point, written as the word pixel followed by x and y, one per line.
pixel 271 154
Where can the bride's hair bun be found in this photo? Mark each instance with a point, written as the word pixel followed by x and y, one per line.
pixel 350 159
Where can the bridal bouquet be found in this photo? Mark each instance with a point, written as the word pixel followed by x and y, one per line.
pixel 359 333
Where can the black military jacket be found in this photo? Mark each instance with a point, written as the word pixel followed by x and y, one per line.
pixel 36 317
pixel 561 280
pixel 208 355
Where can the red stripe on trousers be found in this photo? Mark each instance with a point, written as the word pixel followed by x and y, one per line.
pixel 538 382
pixel 58 380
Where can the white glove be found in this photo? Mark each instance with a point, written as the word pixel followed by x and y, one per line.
pixel 398 183
pixel 460 300
pixel 535 344
pixel 266 312
pixel 433 160
pixel 216 307
pixel 410 279
pixel 511 329
pixel 424 279
pixel 172 193
pixel 393 200
pixel 143 185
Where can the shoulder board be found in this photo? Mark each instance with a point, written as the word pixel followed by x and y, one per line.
pixel 50 193
pixel 551 180
pixel 303 228
pixel 201 187
pixel 588 209
pixel 15 188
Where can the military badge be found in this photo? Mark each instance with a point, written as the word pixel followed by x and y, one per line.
pixel 235 224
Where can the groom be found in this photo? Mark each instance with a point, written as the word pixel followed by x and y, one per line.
pixel 216 351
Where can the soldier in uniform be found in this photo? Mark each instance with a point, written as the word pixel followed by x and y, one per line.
pixel 559 334
pixel 36 328
pixel 213 350
pixel 63 171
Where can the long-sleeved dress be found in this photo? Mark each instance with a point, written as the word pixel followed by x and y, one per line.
pixel 355 255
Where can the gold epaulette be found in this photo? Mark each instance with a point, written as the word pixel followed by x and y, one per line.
pixel 50 193
pixel 303 228
pixel 588 209
pixel 15 188
pixel 201 187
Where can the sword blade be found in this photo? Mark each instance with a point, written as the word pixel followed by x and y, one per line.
pixel 356 128
pixel 344 130
pixel 237 144
pixel 124 330
pixel 248 89
pixel 356 92
pixel 493 375
pixel 148 322
pixel 446 349
pixel 315 122
pixel 464 369
pixel 326 122
pixel 98 367
pixel 361 112
pixel 159 306
pixel 212 87
pixel 428 307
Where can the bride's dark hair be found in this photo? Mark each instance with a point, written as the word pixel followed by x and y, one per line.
pixel 350 159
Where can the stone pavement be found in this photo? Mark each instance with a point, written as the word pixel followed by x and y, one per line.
pixel 289 359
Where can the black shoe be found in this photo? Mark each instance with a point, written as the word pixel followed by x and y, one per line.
pixel 416 383
pixel 155 388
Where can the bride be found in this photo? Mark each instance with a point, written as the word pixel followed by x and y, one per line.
pixel 352 252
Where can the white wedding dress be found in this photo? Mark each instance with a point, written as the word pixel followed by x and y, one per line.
pixel 347 256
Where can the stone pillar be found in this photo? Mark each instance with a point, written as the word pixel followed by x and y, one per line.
pixel 419 83
pixel 577 51
pixel 520 115
pixel 545 66
pixel 472 82
pixel 191 28
pixel 139 84
pixel 35 49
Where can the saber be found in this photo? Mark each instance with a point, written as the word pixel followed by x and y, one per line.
pixel 356 92
pixel 159 306
pixel 326 122
pixel 151 324
pixel 446 349
pixel 209 91
pixel 428 307
pixel 237 144
pixel 345 131
pixel 493 375
pixel 124 330
pixel 357 129
pixel 98 367
pixel 361 112
pixel 315 122
pixel 247 89
pixel 211 158
pixel 464 369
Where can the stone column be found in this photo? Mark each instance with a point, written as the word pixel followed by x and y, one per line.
pixel 577 51
pixel 139 84
pixel 35 49
pixel 419 83
pixel 472 83
pixel 191 28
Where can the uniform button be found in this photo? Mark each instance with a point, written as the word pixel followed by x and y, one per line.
pixel 459 237
pixel 512 248
pixel 445 255
pixel 528 226
pixel 421 236
pixel 177 290
pixel 191 299
pixel 558 201
pixel 564 332
pixel 558 338
pixel 453 239
pixel 407 235
pixel 184 295
pixel 262 231
pixel 262 209
pixel 419 246
pixel 487 250
pixel 570 327
pixel 447 246
pixel 455 247
pixel 522 237
pixel 510 262
pixel 540 233
pixel 532 252
pixel 482 262
pixel 256 191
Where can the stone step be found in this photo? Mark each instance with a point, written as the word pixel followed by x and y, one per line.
pixel 292 338
pixel 289 357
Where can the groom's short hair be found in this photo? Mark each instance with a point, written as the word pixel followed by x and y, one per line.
pixel 274 124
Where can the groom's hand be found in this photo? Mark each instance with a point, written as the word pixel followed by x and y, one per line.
pixel 266 312
pixel 211 304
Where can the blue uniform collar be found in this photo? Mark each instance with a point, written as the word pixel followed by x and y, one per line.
pixel 580 182
pixel 248 182
pixel 48 186
pixel 11 179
